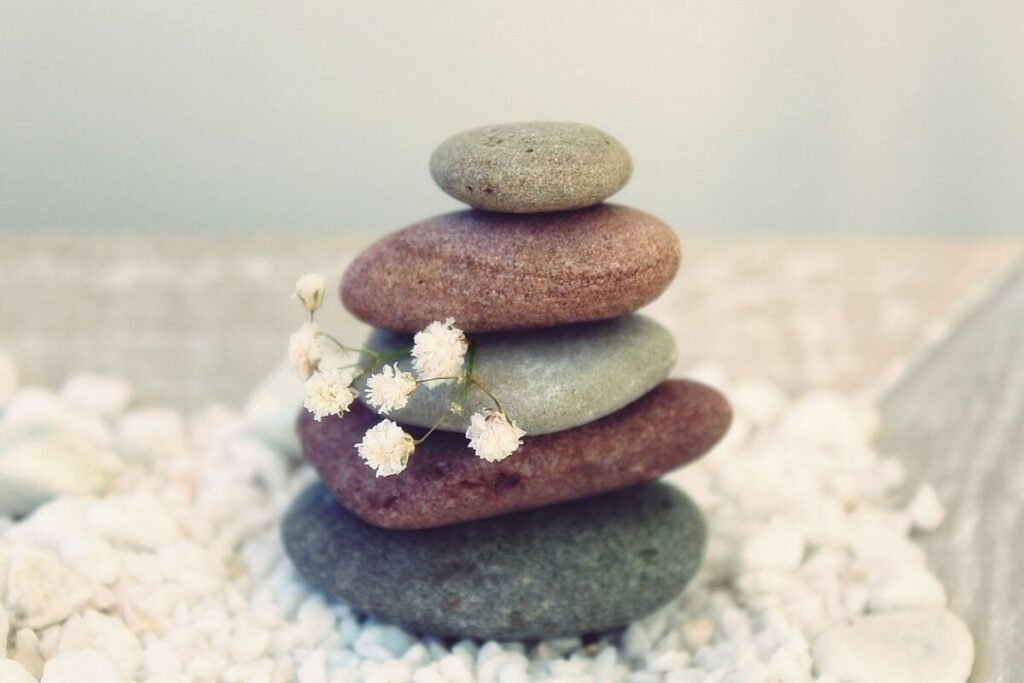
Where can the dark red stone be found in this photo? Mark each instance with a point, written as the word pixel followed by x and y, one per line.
pixel 445 483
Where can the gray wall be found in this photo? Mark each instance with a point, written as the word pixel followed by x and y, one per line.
pixel 795 117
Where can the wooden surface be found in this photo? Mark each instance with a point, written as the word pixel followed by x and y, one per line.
pixel 957 420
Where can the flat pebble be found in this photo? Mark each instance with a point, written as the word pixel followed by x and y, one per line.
pixel 494 272
pixel 565 569
pixel 446 483
pixel 548 380
pixel 531 167
pixel 897 647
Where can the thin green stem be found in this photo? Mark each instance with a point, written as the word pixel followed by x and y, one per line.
pixel 423 438
pixel 437 379
pixel 482 388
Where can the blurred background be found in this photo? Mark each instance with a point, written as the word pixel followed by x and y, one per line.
pixel 845 177
pixel 784 118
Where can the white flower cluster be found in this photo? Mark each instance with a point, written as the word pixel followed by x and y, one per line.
pixel 438 356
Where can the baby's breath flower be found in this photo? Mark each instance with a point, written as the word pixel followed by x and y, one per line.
pixel 493 435
pixel 309 289
pixel 389 389
pixel 304 350
pixel 438 350
pixel 386 448
pixel 329 393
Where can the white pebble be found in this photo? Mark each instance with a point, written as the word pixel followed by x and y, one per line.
pixel 26 651
pixel 779 546
pixel 82 665
pixel 261 671
pixel 313 668
pixel 40 462
pixel 381 642
pixel 42 590
pixel 91 557
pixel 105 634
pixel 13 672
pixel 150 434
pixel 5 629
pixel 133 521
pixel 159 659
pixel 908 589
pixel 925 509
pixel 95 394
pixel 897 647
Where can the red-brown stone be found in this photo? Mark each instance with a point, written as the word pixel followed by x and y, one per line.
pixel 498 271
pixel 445 483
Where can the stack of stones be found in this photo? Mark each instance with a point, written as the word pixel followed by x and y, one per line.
pixel 571 534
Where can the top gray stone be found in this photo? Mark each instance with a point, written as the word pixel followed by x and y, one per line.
pixel 531 167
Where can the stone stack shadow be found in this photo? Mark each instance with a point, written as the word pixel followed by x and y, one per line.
pixel 571 533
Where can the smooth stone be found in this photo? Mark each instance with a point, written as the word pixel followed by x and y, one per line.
pixel 546 380
pixel 445 483
pixel 897 647
pixel 584 566
pixel 494 272
pixel 531 167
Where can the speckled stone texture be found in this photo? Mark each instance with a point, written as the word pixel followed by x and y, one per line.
pixel 547 380
pixel 494 271
pixel 531 167
pixel 585 566
pixel 445 483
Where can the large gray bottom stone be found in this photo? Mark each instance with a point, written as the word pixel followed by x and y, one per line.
pixel 585 566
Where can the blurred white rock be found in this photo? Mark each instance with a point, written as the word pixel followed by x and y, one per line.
pixel 908 589
pixel 925 509
pixel 13 672
pixel 272 408
pixel 80 666
pixel 42 590
pixel 108 635
pixel 5 629
pixel 897 647
pixel 26 651
pixel 8 378
pixel 148 434
pixel 96 394
pixel 39 462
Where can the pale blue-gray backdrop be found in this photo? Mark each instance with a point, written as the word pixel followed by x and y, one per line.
pixel 795 117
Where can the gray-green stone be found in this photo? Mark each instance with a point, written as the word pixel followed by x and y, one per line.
pixel 531 167
pixel 547 380
pixel 589 565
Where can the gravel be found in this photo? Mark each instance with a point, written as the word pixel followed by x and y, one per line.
pixel 173 570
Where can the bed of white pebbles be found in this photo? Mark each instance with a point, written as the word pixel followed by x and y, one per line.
pixel 159 559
